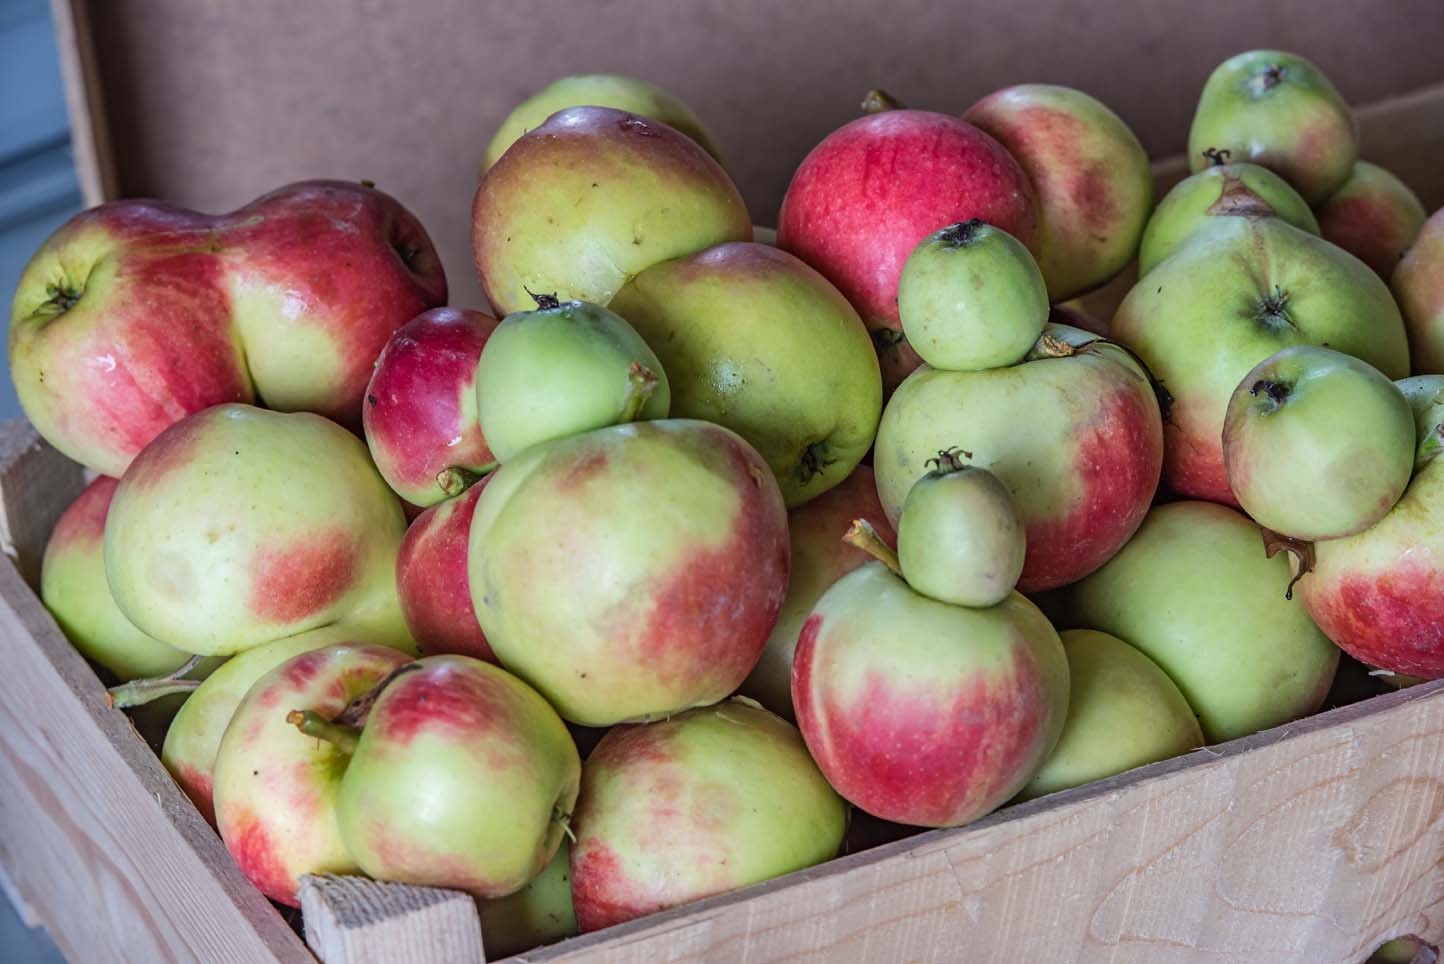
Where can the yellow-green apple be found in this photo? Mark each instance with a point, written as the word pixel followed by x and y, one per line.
pixel 1276 109
pixel 275 788
pixel 564 369
pixel 1094 185
pixel 540 913
pixel 1374 216
pixel 121 326
pixel 462 776
pixel 680 530
pixel 1123 712
pixel 1074 432
pixel 819 557
pixel 1221 190
pixel 73 587
pixel 1418 284
pixel 420 415
pixel 869 193
pixel 1239 290
pixel 754 339
pixel 960 538
pixel 970 297
pixel 431 579
pixel 581 204
pixel 596 90
pixel 705 802
pixel 1425 395
pixel 1196 593
pixel 238 525
pixel 1318 444
pixel 921 712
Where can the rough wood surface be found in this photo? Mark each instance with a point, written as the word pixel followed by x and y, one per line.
pixel 353 920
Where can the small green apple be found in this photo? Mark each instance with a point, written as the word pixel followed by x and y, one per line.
pixel 540 913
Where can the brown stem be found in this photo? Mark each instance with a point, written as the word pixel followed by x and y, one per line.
pixel 641 383
pixel 311 723
pixel 879 101
pixel 1303 553
pixel 138 692
pixel 861 535
pixel 358 709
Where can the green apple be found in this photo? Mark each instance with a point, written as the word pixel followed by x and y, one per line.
pixel 1374 216
pixel 599 90
pixel 1123 712
pixel 1425 395
pixel 564 369
pixel 540 913
pixel 960 539
pixel 1195 592
pixel 1222 189
pixel 1418 284
pixel 1318 444
pixel 971 297
pixel 1276 109
pixel 754 339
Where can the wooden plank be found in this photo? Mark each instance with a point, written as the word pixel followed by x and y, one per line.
pixel 85 102
pixel 94 836
pixel 353 920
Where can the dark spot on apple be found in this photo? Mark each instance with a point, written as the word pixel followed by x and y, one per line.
pixel 372 399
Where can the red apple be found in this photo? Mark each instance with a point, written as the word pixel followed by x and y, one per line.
pixel 420 414
pixel 431 579
pixel 865 197
pixel 1374 217
pixel 1418 284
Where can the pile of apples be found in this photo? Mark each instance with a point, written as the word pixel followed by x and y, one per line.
pixel 771 527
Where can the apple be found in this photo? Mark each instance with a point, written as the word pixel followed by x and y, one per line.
pixel 1195 592
pixel 754 339
pixel 1318 444
pixel 705 802
pixel 73 588
pixel 599 90
pixel 1094 183
pixel 1238 291
pixel 431 579
pixel 680 531
pixel 924 713
pixel 1418 284
pixel 1219 191
pixel 1074 432
pixel 564 369
pixel 1076 316
pixel 237 526
pixel 462 776
pixel 1374 217
pixel 971 297
pixel 275 788
pixel 420 415
pixel 540 913
pixel 581 204
pixel 873 189
pixel 819 557
pixel 1123 712
pixel 960 538
pixel 1425 395
pixel 1276 109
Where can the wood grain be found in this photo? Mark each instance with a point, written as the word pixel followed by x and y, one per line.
pixel 353 920
pixel 89 127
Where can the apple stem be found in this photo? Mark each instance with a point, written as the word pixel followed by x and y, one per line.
pixel 565 819
pixel 1051 346
pixel 1216 157
pixel 311 723
pixel 138 692
pixel 880 101
pixel 949 460
pixel 544 302
pixel 454 480
pixel 641 383
pixel 1303 553
pixel 861 535
pixel 356 711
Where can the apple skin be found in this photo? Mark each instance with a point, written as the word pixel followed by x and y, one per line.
pixel 600 90
pixel 1238 291
pixel 1276 109
pixel 1318 444
pixel 924 713
pixel 420 415
pixel 73 587
pixel 431 579
pixel 463 778
pixel 1425 395
pixel 238 525
pixel 540 913
pixel 1094 183
pixel 819 557
pixel 585 202
pixel 1123 712
pixel 1374 217
pixel 1195 201
pixel 1418 284
pixel 148 339
pixel 960 539
pixel 681 528
pixel 755 340
pixel 1194 592
pixel 869 193
pixel 1082 465
pixel 276 788
pixel 705 802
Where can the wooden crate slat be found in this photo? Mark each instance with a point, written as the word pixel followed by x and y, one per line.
pixel 354 920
